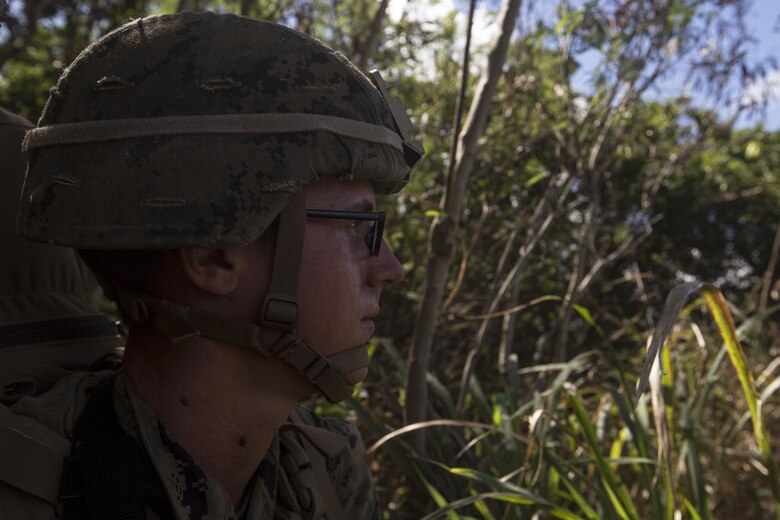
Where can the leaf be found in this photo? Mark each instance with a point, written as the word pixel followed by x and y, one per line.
pixel 752 150
pixel 674 304
pixel 536 178
pixel 585 313
pixel 722 316
pixel 457 504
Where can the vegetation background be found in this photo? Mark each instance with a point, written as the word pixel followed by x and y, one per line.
pixel 562 198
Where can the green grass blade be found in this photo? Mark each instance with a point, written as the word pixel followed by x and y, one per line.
pixel 511 498
pixel 449 509
pixel 510 490
pixel 580 501
pixel 482 507
pixel 438 498
pixel 691 446
pixel 692 510
pixel 614 487
pixel 725 322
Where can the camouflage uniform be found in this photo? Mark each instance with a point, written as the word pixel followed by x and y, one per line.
pixel 176 487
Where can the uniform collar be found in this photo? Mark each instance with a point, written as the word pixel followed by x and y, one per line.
pixel 192 493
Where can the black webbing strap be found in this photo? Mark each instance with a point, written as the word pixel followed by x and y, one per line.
pixel 62 329
pixel 280 307
pixel 103 477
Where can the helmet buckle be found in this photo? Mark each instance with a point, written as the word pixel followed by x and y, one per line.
pixel 280 311
pixel 315 369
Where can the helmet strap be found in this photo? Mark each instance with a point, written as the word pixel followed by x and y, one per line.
pixel 280 307
pixel 181 323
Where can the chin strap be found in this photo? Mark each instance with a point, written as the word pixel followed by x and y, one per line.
pixel 181 323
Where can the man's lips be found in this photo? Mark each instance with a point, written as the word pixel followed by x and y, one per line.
pixel 368 319
pixel 372 314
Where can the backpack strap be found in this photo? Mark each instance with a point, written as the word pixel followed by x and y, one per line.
pixel 31 455
pixel 307 489
pixel 105 462
pixel 59 330
pixel 18 379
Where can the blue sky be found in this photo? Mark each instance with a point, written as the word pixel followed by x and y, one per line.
pixel 763 23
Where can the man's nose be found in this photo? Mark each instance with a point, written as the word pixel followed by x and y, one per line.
pixel 386 269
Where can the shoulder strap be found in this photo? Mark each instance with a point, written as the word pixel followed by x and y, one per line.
pixel 18 379
pixel 31 456
pixel 107 461
pixel 306 452
pixel 60 330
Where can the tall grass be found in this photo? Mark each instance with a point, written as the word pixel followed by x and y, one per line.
pixel 570 441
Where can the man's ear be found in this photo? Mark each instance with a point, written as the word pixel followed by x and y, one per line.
pixel 213 270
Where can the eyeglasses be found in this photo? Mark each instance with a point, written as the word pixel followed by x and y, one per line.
pixel 373 238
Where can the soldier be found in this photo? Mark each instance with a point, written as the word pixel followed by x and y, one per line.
pixel 219 175
pixel 47 326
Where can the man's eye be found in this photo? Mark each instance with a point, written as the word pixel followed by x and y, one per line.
pixel 358 225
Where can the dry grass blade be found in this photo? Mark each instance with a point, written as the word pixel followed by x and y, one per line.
pixel 440 422
pixel 674 304
pixel 661 420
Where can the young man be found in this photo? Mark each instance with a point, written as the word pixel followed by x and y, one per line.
pixel 219 175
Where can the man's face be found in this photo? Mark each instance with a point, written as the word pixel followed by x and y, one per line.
pixel 340 280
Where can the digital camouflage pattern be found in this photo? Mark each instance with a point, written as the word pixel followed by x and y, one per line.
pixel 176 487
pixel 197 190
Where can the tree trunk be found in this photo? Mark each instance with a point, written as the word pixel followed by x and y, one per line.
pixel 443 230
pixel 371 41
pixel 246 5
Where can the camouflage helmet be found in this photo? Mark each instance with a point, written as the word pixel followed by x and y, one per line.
pixel 204 142
pixel 193 129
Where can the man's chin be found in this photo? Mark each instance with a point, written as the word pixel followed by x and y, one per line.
pixel 356 376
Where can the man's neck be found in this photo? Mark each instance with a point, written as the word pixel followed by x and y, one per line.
pixel 222 403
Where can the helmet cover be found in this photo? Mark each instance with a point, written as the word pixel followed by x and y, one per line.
pixel 171 162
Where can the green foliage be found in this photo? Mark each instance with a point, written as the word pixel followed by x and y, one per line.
pixel 41 38
pixel 728 232
pixel 580 447
pixel 603 199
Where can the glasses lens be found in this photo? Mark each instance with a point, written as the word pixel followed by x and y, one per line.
pixel 374 238
pixel 377 218
pixel 370 242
